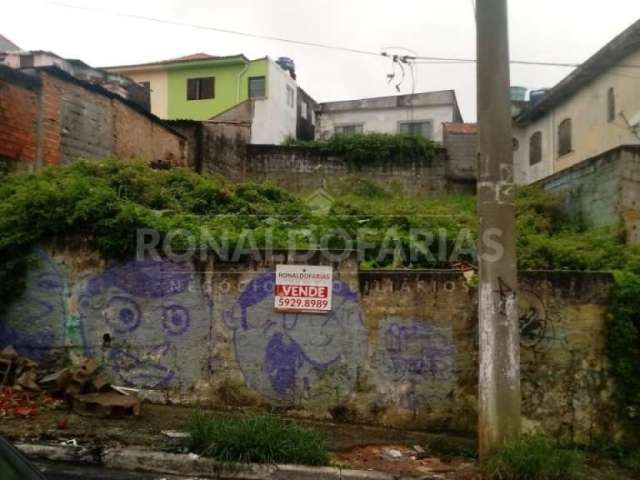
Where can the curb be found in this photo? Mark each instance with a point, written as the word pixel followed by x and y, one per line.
pixel 192 465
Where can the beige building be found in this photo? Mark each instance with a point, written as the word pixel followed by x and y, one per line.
pixel 595 109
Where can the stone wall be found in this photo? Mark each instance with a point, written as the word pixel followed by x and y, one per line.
pixel 48 117
pixel 602 191
pixel 398 348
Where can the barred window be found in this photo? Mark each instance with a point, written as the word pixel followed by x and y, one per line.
pixel 564 137
pixel 535 148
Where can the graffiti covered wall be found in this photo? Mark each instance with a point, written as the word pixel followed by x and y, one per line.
pixel 397 349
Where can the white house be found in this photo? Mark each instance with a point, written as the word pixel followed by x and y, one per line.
pixel 593 110
pixel 419 114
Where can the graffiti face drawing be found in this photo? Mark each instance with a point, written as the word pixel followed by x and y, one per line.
pixel 151 320
pixel 289 357
pixel 418 362
pixel 35 322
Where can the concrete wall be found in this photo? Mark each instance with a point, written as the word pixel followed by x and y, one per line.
pixel 217 147
pixel 398 348
pixel 85 120
pixel 461 143
pixel 593 134
pixel 49 117
pixel 274 120
pixel 384 114
pixel 303 170
pixel 603 191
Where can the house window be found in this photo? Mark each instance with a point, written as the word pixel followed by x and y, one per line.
pixel 418 129
pixel 535 148
pixel 145 85
pixel 201 88
pixel 290 96
pixel 611 105
pixel 564 137
pixel 304 110
pixel 349 129
pixel 257 87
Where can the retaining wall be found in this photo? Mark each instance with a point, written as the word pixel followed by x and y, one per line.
pixel 398 348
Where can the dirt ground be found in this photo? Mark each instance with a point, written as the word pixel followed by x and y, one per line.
pixel 354 446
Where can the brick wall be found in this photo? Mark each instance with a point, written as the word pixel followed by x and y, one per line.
pixel 135 137
pixel 49 117
pixel 18 120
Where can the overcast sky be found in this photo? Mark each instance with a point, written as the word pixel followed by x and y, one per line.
pixel 540 30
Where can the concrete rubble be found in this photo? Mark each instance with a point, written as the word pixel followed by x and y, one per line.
pixel 24 390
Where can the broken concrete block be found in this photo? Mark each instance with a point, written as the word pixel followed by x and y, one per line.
pixel 28 380
pixel 108 403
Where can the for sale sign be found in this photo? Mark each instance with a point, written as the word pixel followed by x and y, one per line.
pixel 303 288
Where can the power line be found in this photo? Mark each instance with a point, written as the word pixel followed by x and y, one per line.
pixel 418 60
pixel 214 29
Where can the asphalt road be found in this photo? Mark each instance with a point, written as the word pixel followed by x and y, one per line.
pixel 62 471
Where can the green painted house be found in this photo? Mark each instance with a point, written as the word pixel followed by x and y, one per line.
pixel 201 86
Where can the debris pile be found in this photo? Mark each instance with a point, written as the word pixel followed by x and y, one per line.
pixel 19 403
pixel 82 386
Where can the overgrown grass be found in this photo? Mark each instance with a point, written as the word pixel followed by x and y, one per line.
pixel 534 458
pixel 624 456
pixel 256 439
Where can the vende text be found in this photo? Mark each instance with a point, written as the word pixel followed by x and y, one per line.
pixel 302 291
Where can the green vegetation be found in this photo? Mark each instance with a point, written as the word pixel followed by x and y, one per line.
pixel 261 439
pixel 622 455
pixel 534 458
pixel 623 346
pixel 106 202
pixel 367 148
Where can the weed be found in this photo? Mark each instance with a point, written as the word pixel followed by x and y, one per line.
pixel 534 458
pixel 256 439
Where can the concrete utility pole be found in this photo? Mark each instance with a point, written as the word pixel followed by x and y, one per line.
pixel 499 376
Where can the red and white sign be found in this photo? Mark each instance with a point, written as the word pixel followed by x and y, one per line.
pixel 303 288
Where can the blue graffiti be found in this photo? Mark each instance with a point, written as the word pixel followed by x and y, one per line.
pixel 418 350
pixel 34 323
pixel 283 355
pixel 141 304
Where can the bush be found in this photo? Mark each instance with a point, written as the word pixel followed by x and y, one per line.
pixel 623 345
pixel 534 458
pixel 260 439
pixel 368 148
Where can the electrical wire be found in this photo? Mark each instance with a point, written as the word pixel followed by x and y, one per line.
pixel 418 60
pixel 213 29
